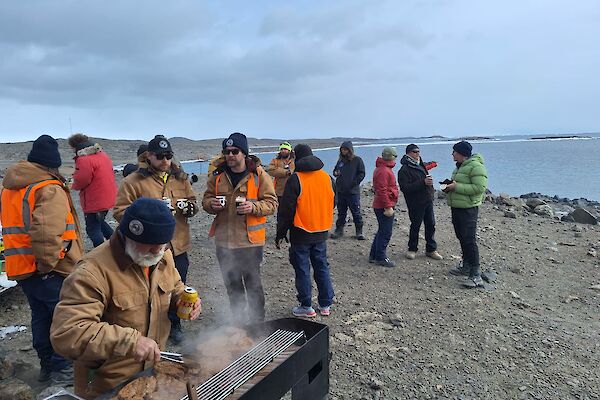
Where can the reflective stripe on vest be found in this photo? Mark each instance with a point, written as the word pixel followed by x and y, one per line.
pixel 255 226
pixel 314 209
pixel 16 213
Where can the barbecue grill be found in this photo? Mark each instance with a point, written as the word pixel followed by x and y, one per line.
pixel 294 356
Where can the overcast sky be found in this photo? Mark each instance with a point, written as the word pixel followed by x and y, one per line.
pixel 294 69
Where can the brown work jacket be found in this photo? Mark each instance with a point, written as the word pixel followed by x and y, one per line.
pixel 146 183
pixel 279 173
pixel 105 306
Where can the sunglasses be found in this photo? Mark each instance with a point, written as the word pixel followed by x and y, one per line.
pixel 235 152
pixel 416 151
pixel 168 156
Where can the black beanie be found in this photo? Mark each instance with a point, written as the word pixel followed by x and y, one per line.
pixel 411 147
pixel 301 151
pixel 463 147
pixel 238 140
pixel 159 145
pixel 142 149
pixel 148 221
pixel 45 152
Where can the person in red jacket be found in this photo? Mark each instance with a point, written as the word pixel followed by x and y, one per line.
pixel 95 179
pixel 386 197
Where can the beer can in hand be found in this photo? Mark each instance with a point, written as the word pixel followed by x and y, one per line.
pixel 186 303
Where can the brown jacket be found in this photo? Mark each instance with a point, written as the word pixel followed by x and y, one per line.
pixel 105 305
pixel 48 217
pixel 230 228
pixel 146 183
pixel 279 173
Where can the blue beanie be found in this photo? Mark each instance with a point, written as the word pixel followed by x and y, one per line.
pixel 148 221
pixel 45 152
pixel 238 140
pixel 463 147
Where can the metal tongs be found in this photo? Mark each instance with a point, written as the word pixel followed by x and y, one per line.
pixel 174 357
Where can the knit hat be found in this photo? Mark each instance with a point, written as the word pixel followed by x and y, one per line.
pixel 142 149
pixel 45 152
pixel 463 147
pixel 301 151
pixel 148 221
pixel 238 140
pixel 389 154
pixel 159 145
pixel 285 146
pixel 411 147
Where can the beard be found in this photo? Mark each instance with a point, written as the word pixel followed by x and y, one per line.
pixel 140 258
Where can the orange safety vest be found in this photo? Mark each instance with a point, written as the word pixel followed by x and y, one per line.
pixel 255 226
pixel 17 209
pixel 314 209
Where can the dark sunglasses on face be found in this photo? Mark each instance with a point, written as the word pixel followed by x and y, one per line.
pixel 168 156
pixel 416 151
pixel 235 152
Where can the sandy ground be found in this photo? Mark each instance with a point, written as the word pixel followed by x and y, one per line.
pixel 413 331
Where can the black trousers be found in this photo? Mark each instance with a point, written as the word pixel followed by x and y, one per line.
pixel 182 263
pixel 465 227
pixel 241 274
pixel 419 214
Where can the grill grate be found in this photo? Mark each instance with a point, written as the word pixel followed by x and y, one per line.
pixel 238 372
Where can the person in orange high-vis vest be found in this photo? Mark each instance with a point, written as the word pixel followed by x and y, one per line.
pixel 241 195
pixel 306 211
pixel 42 244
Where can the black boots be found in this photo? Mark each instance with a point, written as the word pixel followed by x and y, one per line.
pixel 339 232
pixel 359 232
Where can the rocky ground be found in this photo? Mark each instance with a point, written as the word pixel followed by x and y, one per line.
pixel 413 331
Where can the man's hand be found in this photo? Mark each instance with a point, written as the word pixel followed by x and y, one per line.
pixel 451 187
pixel 215 204
pixel 146 349
pixel 197 310
pixel 428 180
pixel 244 208
pixel 278 242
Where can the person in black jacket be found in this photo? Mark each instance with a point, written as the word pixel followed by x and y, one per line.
pixel 306 211
pixel 349 172
pixel 417 186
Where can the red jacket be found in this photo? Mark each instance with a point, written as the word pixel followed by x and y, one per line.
pixel 384 184
pixel 95 180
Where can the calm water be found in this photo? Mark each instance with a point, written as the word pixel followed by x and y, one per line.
pixel 567 167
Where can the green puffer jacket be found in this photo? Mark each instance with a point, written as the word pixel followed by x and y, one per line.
pixel 471 183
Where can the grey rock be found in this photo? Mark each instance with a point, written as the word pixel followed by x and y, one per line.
pixel 583 217
pixel 7 369
pixel 592 253
pixel 375 384
pixel 595 287
pixel 578 234
pixel 505 199
pixel 49 391
pixel 510 214
pixel 533 203
pixel 544 210
pixel 15 389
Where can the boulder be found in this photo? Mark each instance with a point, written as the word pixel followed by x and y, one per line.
pixel 510 214
pixel 544 210
pixel 534 203
pixel 15 389
pixel 505 199
pixel 583 217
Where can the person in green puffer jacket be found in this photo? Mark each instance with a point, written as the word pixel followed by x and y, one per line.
pixel 465 194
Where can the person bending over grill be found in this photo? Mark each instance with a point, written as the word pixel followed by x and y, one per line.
pixel 112 315
pixel 306 210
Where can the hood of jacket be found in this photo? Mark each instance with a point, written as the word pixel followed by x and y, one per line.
pixel 24 173
pixel 475 158
pixel 308 164
pixel 89 150
pixel 348 144
pixel 384 163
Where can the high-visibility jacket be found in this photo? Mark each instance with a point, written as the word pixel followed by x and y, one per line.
pixel 314 208
pixel 17 210
pixel 255 226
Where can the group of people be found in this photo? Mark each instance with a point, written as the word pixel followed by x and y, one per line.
pixel 112 309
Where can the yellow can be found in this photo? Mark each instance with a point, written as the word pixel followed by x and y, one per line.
pixel 186 304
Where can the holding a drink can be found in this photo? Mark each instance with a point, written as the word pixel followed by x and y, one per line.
pixel 186 304
pixel 239 200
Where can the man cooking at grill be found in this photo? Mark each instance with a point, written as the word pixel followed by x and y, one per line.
pixel 112 315
pixel 240 194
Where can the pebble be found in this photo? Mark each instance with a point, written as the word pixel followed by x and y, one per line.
pixel 592 253
pixel 595 287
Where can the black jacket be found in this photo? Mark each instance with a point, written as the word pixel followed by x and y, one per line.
pixel 289 200
pixel 351 172
pixel 411 179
